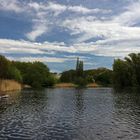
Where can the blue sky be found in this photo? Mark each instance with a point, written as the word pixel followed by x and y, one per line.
pixel 56 32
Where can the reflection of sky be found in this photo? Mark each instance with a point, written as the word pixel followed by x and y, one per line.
pixel 70 114
pixel 95 30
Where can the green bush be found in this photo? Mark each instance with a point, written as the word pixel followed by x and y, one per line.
pixel 35 74
pixel 50 81
pixel 15 74
pixel 81 82
pixel 126 73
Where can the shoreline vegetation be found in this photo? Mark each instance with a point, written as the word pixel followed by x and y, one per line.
pixel 71 85
pixel 36 75
pixel 9 85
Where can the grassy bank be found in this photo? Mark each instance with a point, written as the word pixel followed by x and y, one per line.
pixel 65 85
pixel 71 85
pixel 9 85
pixel 93 85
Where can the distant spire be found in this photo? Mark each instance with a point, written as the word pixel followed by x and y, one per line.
pixel 79 67
pixel 77 64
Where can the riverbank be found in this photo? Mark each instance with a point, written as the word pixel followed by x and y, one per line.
pixel 93 85
pixel 65 85
pixel 71 85
pixel 9 85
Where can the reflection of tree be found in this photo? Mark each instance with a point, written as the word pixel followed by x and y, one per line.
pixel 79 100
pixel 3 105
pixel 8 102
pixel 37 100
pixel 127 108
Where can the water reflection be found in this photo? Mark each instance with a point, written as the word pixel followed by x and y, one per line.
pixel 70 114
pixel 79 99
pixel 127 112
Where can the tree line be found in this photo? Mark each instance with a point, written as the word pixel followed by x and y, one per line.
pixel 35 74
pixel 126 72
pixel 81 77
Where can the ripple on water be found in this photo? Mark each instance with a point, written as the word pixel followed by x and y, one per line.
pixel 65 114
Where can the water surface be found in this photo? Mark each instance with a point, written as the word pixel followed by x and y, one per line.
pixel 70 114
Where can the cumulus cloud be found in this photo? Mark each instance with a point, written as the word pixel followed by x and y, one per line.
pixel 115 35
pixel 44 15
pixel 44 12
pixel 130 16
pixel 8 5
pixel 85 10
pixel 37 30
pixel 104 29
pixel 100 48
pixel 16 46
pixel 40 59
pixel 117 27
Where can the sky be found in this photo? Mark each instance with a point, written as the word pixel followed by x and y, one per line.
pixel 56 32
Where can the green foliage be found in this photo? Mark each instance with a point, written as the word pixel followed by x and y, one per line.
pixel 35 74
pixel 4 67
pixel 80 77
pixel 79 68
pixel 75 76
pixel 15 74
pixel 50 81
pixel 68 76
pixel 102 76
pixel 8 71
pixel 80 81
pixel 89 78
pixel 126 73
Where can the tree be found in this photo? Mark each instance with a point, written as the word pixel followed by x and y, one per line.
pixel 79 67
pixel 104 78
pixel 35 74
pixel 4 67
pixel 75 76
pixel 133 60
pixel 68 76
pixel 77 64
pixel 101 76
pixel 15 74
pixel 121 74
pixel 8 71
pixel 127 72
pixel 80 81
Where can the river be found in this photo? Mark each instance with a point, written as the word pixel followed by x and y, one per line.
pixel 70 114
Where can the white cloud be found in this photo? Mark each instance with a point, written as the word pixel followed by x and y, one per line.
pixel 38 30
pixel 44 15
pixel 103 29
pixel 8 5
pixel 130 16
pixel 118 27
pixel 119 35
pixel 58 8
pixel 13 46
pixel 100 48
pixel 40 59
pixel 85 10
pixel 44 12
pixel 76 8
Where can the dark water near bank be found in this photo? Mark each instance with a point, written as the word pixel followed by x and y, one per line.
pixel 70 114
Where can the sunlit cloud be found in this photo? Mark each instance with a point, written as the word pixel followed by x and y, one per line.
pixel 84 29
